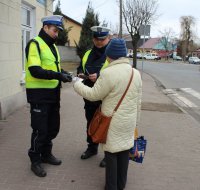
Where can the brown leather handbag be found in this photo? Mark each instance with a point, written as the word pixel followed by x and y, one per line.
pixel 99 124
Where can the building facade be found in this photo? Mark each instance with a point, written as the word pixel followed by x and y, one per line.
pixel 20 20
pixel 75 30
pixel 161 46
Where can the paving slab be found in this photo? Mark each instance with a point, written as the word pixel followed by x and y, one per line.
pixel 172 159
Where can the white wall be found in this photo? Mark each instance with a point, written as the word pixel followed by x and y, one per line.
pixel 12 94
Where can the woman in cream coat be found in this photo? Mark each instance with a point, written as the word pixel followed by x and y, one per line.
pixel 109 88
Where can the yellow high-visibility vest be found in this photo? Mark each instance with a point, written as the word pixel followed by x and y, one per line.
pixel 44 59
pixel 85 58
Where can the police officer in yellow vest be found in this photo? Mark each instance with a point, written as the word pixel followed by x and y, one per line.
pixel 93 61
pixel 43 82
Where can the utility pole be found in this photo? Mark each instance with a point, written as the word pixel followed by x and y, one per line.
pixel 120 18
pixel 46 9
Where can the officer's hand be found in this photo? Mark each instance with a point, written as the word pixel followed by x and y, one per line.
pixel 93 77
pixel 65 77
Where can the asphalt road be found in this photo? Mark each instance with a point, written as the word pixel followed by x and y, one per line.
pixel 181 81
pixel 174 74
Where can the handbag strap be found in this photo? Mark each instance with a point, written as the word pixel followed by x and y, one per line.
pixel 120 101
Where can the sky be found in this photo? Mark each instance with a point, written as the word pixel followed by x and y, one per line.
pixel 169 13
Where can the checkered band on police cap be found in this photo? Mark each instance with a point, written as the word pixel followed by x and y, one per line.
pixel 100 32
pixel 53 20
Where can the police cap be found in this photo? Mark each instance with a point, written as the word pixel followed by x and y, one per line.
pixel 100 32
pixel 53 20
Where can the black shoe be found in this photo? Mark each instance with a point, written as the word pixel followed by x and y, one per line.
pixel 51 159
pixel 103 163
pixel 88 153
pixel 38 170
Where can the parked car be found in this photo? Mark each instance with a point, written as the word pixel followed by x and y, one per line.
pixel 130 55
pixel 177 58
pixel 152 56
pixel 194 60
pixel 139 55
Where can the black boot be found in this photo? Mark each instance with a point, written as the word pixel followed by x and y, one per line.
pixel 103 163
pixel 51 159
pixel 88 153
pixel 38 170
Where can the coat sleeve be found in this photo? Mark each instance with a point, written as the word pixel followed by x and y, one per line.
pixel 99 91
pixel 40 73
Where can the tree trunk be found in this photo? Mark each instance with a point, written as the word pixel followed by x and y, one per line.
pixel 135 39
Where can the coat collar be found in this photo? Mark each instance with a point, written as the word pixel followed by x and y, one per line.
pixel 121 60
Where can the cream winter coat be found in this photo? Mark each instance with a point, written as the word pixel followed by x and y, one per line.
pixel 109 88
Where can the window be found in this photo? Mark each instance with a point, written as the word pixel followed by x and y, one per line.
pixel 26 28
pixel 43 2
pixel 27 32
pixel 26 18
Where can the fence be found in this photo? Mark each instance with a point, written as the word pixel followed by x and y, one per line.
pixel 68 54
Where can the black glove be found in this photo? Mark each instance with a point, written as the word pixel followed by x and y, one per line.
pixel 65 77
pixel 65 72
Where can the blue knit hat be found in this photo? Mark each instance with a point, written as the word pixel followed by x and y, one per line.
pixel 116 48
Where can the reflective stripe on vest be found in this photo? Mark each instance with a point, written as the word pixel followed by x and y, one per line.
pixel 46 60
pixel 85 58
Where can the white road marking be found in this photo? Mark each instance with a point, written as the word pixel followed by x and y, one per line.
pixel 169 91
pixel 187 102
pixel 182 101
pixel 191 92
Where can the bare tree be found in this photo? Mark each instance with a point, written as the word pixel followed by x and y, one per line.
pixel 167 37
pixel 187 34
pixel 135 14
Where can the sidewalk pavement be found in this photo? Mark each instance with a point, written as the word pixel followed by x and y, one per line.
pixel 172 160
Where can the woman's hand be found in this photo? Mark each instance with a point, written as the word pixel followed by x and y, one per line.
pixel 76 79
pixel 93 77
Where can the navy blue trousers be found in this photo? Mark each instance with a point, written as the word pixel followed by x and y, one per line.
pixel 45 123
